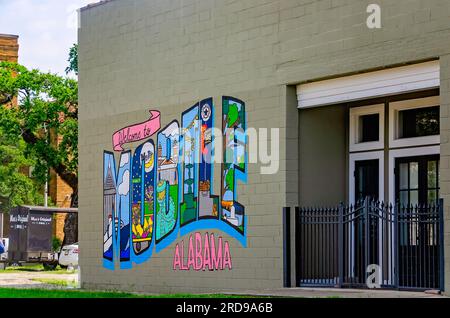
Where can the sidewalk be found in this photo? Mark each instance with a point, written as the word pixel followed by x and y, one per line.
pixel 31 279
pixel 339 293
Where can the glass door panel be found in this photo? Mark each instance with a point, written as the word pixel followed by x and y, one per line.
pixel 366 186
pixel 417 180
pixel 366 179
pixel 408 184
pixel 432 181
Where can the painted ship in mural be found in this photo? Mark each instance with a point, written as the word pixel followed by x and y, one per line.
pixel 166 188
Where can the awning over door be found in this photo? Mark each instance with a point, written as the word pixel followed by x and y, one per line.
pixel 369 85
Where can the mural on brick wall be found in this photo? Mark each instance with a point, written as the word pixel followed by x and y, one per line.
pixel 165 189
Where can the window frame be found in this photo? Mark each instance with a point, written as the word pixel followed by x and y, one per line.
pixel 354 132
pixel 394 124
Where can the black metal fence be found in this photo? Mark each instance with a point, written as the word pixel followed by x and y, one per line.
pixel 392 246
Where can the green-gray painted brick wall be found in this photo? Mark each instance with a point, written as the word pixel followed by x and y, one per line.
pixel 167 54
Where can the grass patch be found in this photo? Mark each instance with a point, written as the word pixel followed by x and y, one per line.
pixel 34 268
pixel 42 293
pixel 56 282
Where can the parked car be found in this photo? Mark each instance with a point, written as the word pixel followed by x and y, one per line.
pixel 69 256
pixel 4 244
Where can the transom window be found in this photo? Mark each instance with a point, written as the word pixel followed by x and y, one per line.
pixel 414 122
pixel 419 122
pixel 369 128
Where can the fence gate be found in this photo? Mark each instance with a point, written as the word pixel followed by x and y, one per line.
pixel 370 244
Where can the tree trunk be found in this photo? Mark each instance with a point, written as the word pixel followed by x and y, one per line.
pixel 71 223
pixel 70 229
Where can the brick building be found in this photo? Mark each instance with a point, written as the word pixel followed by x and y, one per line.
pixel 9 51
pixel 9 47
pixel 59 192
pixel 361 112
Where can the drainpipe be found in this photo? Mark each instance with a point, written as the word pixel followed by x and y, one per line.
pixel 46 193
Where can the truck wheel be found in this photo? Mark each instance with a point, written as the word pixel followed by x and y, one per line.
pixel 50 266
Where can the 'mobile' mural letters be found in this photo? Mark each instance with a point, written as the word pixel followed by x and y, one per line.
pixel 166 188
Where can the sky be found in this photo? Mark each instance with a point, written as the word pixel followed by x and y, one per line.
pixel 46 29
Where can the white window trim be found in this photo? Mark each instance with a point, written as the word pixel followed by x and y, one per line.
pixel 385 82
pixel 357 112
pixel 361 157
pixel 402 153
pixel 395 107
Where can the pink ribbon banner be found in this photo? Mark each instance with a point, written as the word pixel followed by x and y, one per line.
pixel 137 132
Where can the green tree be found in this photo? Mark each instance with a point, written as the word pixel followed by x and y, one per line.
pixel 44 120
pixel 16 188
pixel 73 60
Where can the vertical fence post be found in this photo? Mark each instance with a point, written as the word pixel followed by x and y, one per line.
pixel 441 245
pixel 366 237
pixel 298 245
pixel 396 245
pixel 286 247
pixel 341 248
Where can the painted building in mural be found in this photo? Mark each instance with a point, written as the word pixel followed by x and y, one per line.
pixel 203 123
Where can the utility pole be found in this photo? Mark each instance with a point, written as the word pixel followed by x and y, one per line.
pixel 46 175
